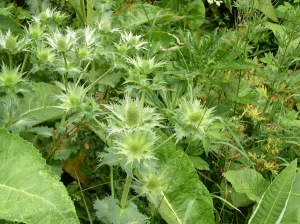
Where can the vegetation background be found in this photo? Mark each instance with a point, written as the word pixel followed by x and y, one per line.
pixel 130 111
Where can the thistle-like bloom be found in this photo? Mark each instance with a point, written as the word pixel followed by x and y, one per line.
pixel 192 119
pixel 11 43
pixel 35 31
pixel 86 37
pixel 133 150
pixel 72 98
pixel 62 42
pixel 145 67
pixel 50 15
pixel 130 115
pixel 151 183
pixel 11 81
pixel 133 40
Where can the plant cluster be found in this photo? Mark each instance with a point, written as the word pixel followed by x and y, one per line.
pixel 158 117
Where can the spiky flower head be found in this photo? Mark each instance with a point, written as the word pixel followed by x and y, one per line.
pixel 49 15
pixel 131 114
pixel 71 98
pixel 11 81
pixel 133 150
pixel 152 182
pixel 35 31
pixel 144 66
pixel 192 119
pixel 62 42
pixel 133 40
pixel 86 36
pixel 12 43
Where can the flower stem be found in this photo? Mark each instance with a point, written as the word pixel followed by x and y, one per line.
pixel 10 60
pixel 24 62
pixel 165 141
pixel 98 79
pixel 112 182
pixel 125 191
pixel 65 77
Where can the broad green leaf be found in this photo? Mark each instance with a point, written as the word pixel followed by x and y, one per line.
pixel 247 181
pixel 139 14
pixel 273 203
pixel 184 188
pixel 109 211
pixel 8 23
pixel 279 32
pixel 195 14
pixel 292 214
pixel 29 191
pixel 234 199
pixel 199 163
pixel 266 7
pixel 37 107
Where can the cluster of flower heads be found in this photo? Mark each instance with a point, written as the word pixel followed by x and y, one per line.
pixel 131 125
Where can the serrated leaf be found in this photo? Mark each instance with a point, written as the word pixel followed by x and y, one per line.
pixel 109 211
pixel 199 163
pixel 266 7
pixel 273 203
pixel 195 14
pixel 29 191
pixel 292 213
pixel 139 14
pixel 41 131
pixel 38 106
pixel 247 181
pixel 184 187
pixel 8 23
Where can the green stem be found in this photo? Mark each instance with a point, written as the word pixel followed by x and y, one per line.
pixel 24 62
pixel 125 192
pixel 98 79
pixel 112 188
pixel 10 61
pixel 63 119
pixel 165 141
pixel 143 96
pixel 65 77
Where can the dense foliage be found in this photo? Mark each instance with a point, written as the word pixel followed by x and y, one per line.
pixel 149 111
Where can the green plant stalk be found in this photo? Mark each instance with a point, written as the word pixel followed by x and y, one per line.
pixel 86 207
pixel 24 62
pixel 63 119
pixel 10 61
pixel 164 142
pixel 65 77
pixel 98 79
pixel 112 188
pixel 237 94
pixel 125 192
pixel 83 11
pixel 143 96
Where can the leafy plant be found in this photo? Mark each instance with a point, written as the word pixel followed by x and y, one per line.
pixel 150 108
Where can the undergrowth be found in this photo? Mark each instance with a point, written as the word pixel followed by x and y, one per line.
pixel 157 113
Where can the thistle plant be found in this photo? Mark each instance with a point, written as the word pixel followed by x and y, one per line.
pixel 192 119
pixel 130 115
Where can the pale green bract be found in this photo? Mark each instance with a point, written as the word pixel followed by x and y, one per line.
pixel 29 191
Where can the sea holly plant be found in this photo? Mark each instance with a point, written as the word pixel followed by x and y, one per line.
pixel 158 115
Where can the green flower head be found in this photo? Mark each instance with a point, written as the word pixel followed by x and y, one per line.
pixel 136 150
pixel 131 114
pixel 72 98
pixel 192 119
